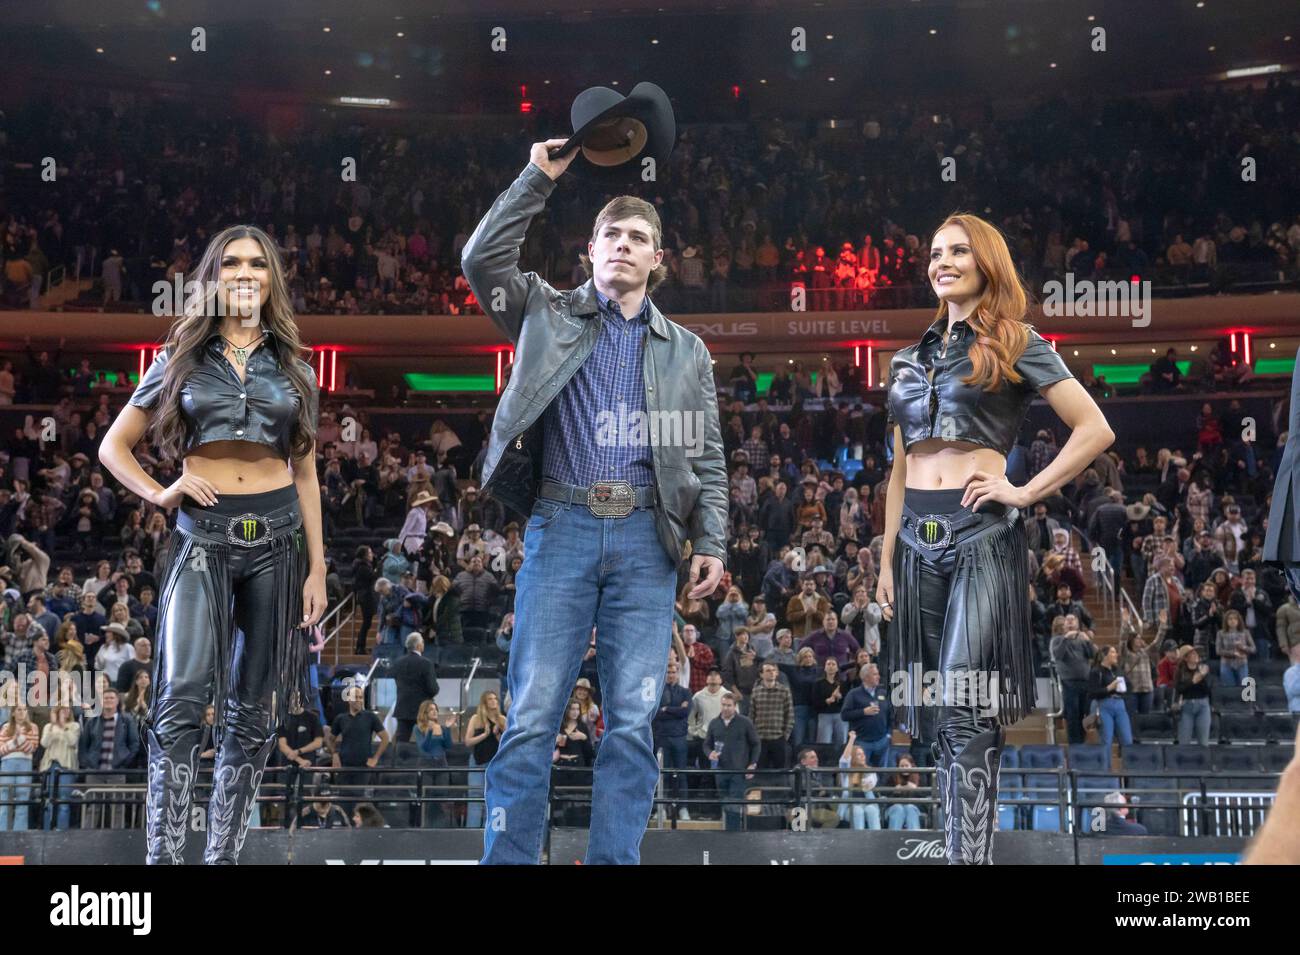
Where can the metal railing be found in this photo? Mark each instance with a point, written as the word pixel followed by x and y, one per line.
pixel 1072 801
pixel 334 621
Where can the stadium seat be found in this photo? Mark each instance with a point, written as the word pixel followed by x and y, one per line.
pixel 1009 788
pixel 1044 817
pixel 1242 727
pixel 1272 698
pixel 1193 758
pixel 1089 756
pixel 1242 759
pixel 1275 757
pixel 1040 756
pixel 1279 727
pixel 1154 809
pixel 1155 727
pixel 1268 671
pixel 1142 757
pixel 1228 699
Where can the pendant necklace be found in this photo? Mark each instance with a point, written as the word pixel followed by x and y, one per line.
pixel 241 351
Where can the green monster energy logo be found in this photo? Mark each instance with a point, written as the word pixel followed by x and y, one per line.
pixel 250 528
pixel 930 531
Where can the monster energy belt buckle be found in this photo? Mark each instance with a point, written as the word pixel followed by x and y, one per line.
pixel 934 531
pixel 247 530
pixel 611 499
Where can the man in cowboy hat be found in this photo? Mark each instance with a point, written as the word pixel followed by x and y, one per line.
pixel 611 517
pixel 470 546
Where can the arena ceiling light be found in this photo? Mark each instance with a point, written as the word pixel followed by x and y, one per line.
pixel 1252 71
pixel 367 102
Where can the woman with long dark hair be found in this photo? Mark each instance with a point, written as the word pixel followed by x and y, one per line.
pixel 245 568
pixel 954 568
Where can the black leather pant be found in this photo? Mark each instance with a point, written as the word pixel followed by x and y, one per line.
pixel 960 634
pixel 226 633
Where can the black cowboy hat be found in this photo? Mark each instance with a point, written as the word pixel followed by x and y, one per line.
pixel 614 133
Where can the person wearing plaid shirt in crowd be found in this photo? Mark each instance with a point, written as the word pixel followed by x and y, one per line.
pixel 1061 545
pixel 742 482
pixel 19 641
pixel 701 658
pixel 1163 592
pixel 1042 451
pixel 771 707
pixel 1153 544
pixel 755 448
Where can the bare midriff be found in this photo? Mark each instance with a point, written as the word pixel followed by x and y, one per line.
pixel 239 467
pixel 935 463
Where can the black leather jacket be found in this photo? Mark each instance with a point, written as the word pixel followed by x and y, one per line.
pixel 954 411
pixel 217 406
pixel 554 332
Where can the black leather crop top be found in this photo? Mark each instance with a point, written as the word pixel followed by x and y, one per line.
pixel 217 406
pixel 954 411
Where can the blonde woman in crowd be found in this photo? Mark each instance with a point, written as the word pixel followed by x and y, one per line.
pixel 59 742
pixel 483 737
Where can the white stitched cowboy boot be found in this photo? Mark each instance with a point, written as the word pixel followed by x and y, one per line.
pixel 235 781
pixel 169 789
pixel 971 798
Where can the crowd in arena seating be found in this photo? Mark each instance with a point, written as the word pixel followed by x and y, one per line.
pixel 792 642
pixel 1096 188
pixel 792 639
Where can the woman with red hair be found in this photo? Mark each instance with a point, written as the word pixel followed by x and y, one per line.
pixel 954 569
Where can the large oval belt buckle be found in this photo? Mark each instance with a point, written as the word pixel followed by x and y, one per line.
pixel 247 530
pixel 934 531
pixel 611 499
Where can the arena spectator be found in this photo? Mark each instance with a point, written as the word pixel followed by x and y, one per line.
pixel 733 746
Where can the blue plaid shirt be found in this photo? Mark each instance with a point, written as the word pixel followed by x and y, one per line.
pixel 610 380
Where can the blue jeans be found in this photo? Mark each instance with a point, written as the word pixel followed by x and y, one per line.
pixel 580 570
pixel 861 815
pixel 1114 716
pixel 674 748
pixel 15 791
pixel 473 809
pixel 1230 675
pixel 1195 715
pixel 62 783
pixel 901 816
pixel 876 750
pixel 732 786
pixel 832 729
pixel 805 726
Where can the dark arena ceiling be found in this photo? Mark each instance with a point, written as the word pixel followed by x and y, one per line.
pixel 718 60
